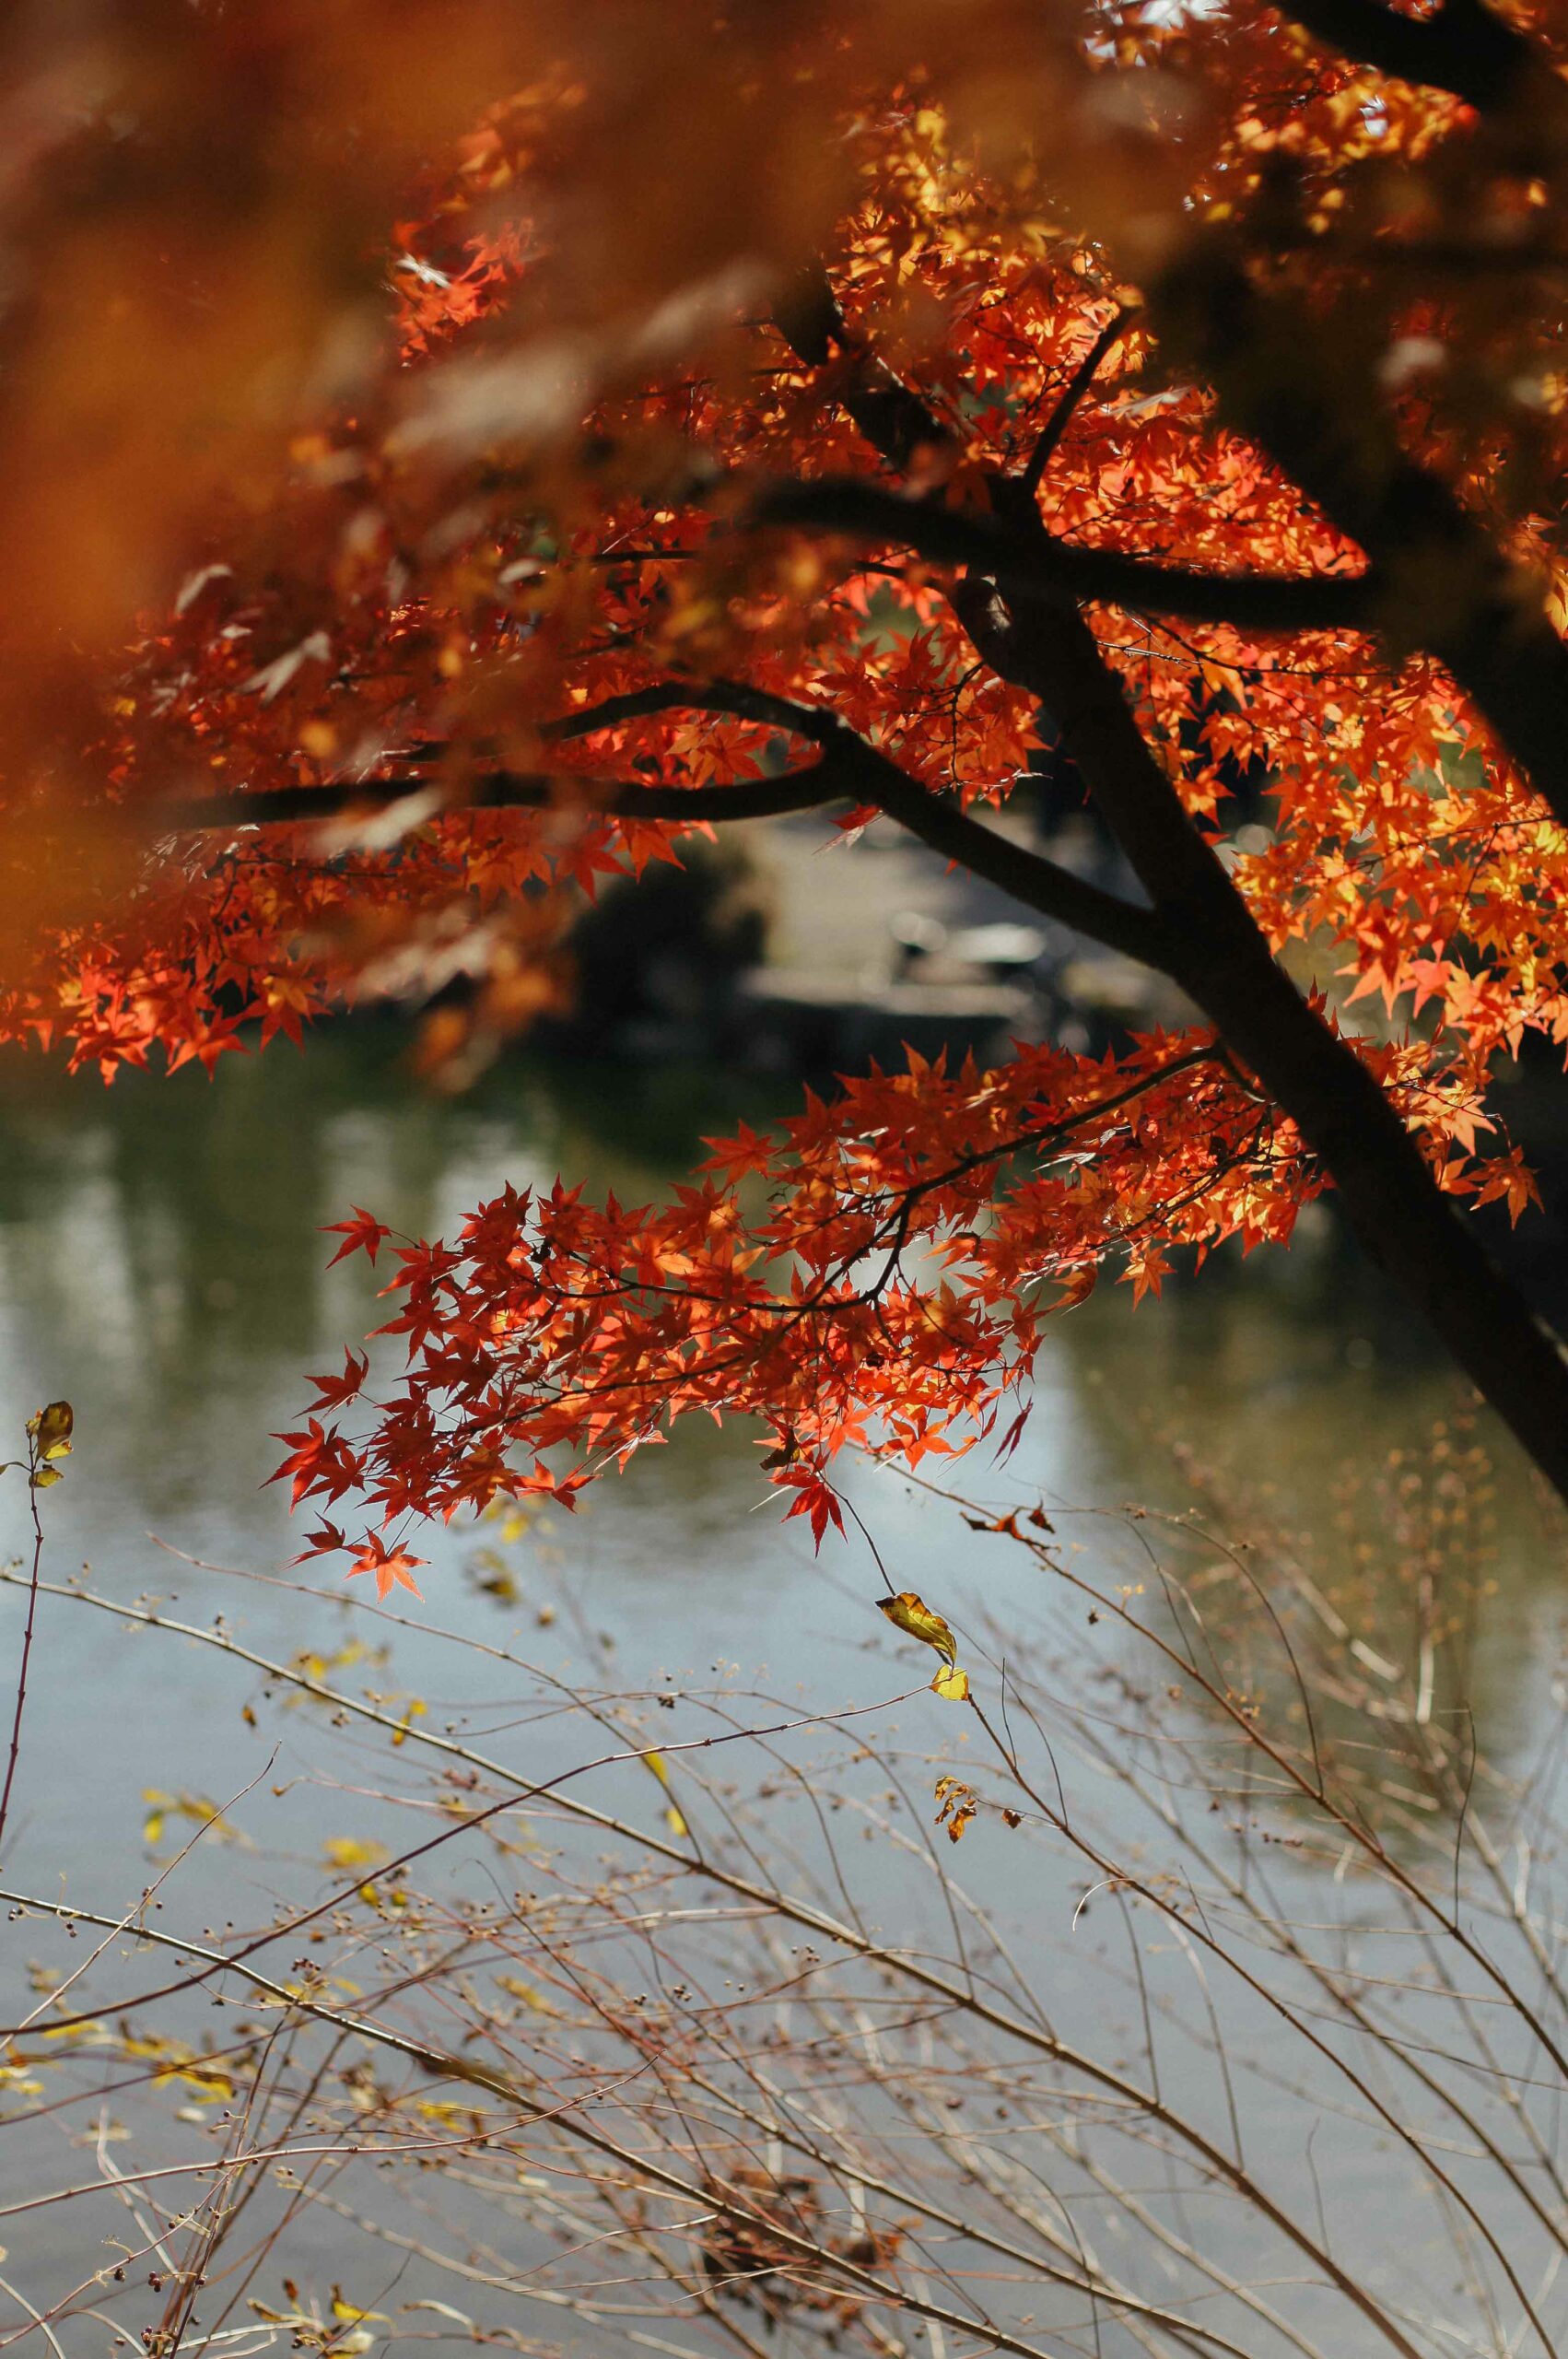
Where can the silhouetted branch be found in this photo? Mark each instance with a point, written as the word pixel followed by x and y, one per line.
pixel 1078 384
pixel 768 798
pixel 1037 566
pixel 893 419
pixel 849 770
pixel 1463 47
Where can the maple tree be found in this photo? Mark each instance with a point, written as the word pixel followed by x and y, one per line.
pixel 463 453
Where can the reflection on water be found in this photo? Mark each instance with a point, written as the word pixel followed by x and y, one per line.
pixel 160 1247
pixel 162 1266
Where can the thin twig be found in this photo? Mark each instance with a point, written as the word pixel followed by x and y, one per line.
pixel 28 1627
pixel 1078 384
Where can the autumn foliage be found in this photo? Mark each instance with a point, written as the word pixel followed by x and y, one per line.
pixel 461 453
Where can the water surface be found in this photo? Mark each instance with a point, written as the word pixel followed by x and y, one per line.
pixel 162 1266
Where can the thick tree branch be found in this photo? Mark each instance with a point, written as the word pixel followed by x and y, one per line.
pixel 1440 580
pixel 766 798
pixel 806 788
pixel 1035 565
pixel 1040 883
pixel 736 699
pixel 1463 47
pixel 1024 623
pixel 1220 959
pixel 871 777
pixel 893 419
pixel 849 770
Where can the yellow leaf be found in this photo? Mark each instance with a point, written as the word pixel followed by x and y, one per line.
pixel 200 1809
pixel 451 2116
pixel 385 1899
pixel 353 1852
pixel 959 1803
pixel 45 1476
pixel 350 2316
pixel 660 1768
pixel 208 2080
pixel 911 1613
pixel 51 1429
pixel 526 1993
pixel 416 1711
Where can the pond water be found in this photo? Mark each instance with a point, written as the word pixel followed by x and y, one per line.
pixel 162 1266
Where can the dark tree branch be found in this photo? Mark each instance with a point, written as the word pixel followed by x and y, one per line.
pixel 1040 883
pixel 1439 579
pixel 1463 47
pixel 1035 565
pixel 736 699
pixel 1024 623
pixel 765 798
pixel 1222 961
pixel 863 774
pixel 871 778
pixel 893 419
pixel 500 790
pixel 849 770
pixel 1061 416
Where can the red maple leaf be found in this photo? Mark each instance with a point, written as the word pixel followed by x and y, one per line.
pixel 363 1234
pixel 394 1568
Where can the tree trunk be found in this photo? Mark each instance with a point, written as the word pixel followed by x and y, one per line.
pixel 1208 939
pixel 1220 957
